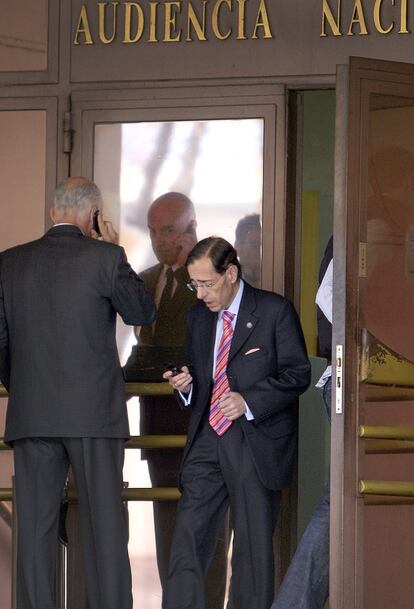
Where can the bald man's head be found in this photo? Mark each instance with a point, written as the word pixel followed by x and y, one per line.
pixel 171 223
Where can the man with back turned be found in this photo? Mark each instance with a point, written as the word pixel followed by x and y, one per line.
pixel 246 366
pixel 59 296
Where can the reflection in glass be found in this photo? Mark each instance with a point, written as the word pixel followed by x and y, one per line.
pixel 386 299
pixel 167 185
pixel 389 290
pixel 23 35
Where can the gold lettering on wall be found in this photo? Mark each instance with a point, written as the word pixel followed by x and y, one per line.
pixel 170 33
pixel 358 17
pixel 173 21
pixel 327 15
pixel 241 19
pixel 128 38
pixel 83 28
pixel 215 20
pixel 377 18
pixel 403 26
pixel 262 21
pixel 194 24
pixel 153 22
pixel 102 21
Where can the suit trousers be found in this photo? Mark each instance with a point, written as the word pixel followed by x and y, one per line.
pixel 306 583
pixel 41 467
pixel 218 472
pixel 163 468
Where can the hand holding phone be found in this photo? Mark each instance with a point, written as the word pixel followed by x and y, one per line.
pixel 95 223
pixel 103 229
pixel 186 241
pixel 179 378
pixel 174 369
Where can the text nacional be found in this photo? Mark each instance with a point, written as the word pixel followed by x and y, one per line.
pixel 364 17
pixel 172 21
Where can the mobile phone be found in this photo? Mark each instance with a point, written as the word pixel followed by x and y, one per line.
pixel 174 369
pixel 95 224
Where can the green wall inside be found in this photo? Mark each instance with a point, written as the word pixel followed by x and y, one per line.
pixel 318 139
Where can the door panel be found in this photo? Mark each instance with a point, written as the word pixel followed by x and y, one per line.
pixel 201 104
pixel 373 296
pixel 225 150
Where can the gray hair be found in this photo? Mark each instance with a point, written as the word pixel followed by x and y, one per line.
pixel 74 194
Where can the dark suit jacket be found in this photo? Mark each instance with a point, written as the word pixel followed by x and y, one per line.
pixel 159 414
pixel 59 297
pixel 270 379
pixel 183 299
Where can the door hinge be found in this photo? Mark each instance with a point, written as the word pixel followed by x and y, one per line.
pixel 362 259
pixel 339 362
pixel 67 132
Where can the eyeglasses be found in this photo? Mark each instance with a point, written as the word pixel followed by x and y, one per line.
pixel 208 285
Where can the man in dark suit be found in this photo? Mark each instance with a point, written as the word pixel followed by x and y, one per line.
pixel 247 364
pixel 59 297
pixel 172 228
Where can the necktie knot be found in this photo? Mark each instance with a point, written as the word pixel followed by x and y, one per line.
pixel 228 317
pixel 169 275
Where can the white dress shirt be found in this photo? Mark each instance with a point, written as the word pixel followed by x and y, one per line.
pixel 233 308
pixel 324 301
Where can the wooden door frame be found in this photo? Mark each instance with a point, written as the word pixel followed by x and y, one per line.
pixel 355 83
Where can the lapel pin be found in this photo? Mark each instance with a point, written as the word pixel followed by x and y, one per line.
pixel 249 324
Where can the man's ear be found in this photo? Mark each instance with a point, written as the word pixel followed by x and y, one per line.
pixel 233 273
pixel 52 213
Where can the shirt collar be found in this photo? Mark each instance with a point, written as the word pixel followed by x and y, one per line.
pixel 68 224
pixel 235 305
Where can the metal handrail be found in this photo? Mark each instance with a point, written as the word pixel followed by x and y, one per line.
pixel 147 442
pixel 382 487
pixel 161 493
pixel 131 389
pixel 387 432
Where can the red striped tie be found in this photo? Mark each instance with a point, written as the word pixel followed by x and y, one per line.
pixel 217 420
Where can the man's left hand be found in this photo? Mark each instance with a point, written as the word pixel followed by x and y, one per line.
pixel 186 242
pixel 232 405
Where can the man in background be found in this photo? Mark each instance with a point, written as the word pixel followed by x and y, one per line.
pixel 59 297
pixel 306 583
pixel 248 245
pixel 172 227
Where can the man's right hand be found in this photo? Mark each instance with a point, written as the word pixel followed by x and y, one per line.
pixel 181 381
pixel 108 233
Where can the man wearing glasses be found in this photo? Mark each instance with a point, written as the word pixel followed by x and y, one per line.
pixel 246 366
pixel 172 228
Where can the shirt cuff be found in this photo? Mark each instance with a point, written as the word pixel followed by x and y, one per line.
pixel 186 397
pixel 248 414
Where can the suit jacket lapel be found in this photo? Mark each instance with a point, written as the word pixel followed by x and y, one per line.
pixel 152 279
pixel 207 332
pixel 246 320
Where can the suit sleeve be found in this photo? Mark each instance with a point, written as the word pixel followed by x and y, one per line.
pixel 273 394
pixel 4 342
pixel 130 297
pixel 187 401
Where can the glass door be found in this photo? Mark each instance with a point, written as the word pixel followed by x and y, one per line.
pixel 173 171
pixel 372 524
